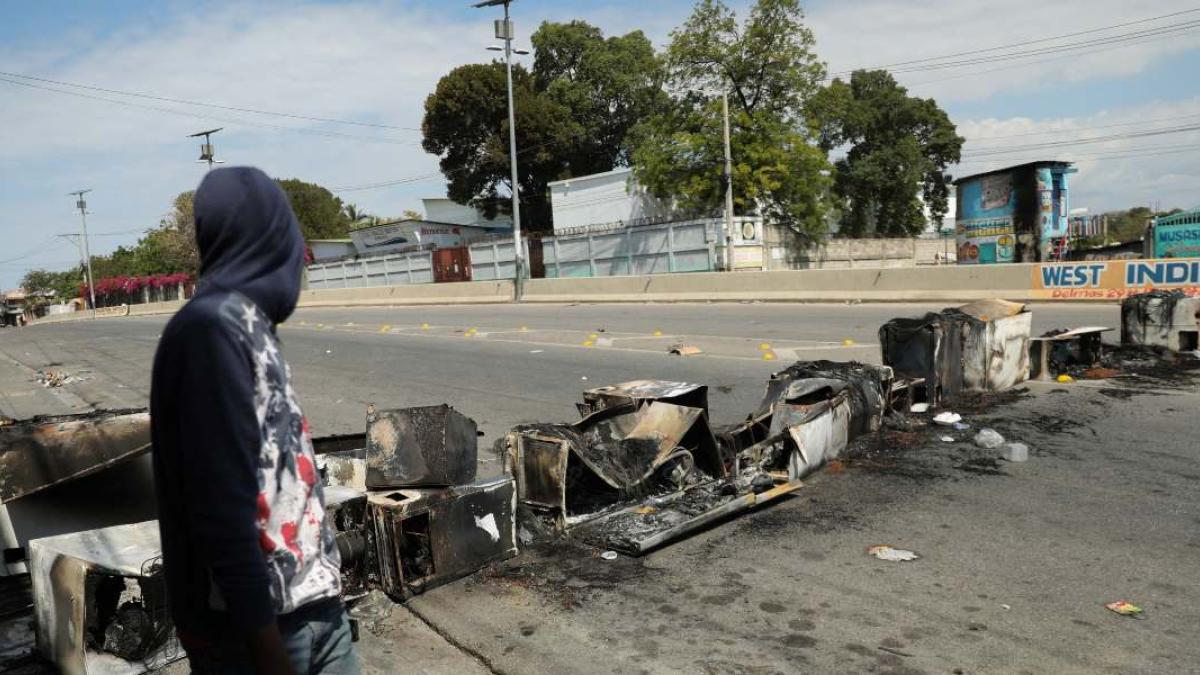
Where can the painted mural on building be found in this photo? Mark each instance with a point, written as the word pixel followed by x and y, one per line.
pixel 1018 214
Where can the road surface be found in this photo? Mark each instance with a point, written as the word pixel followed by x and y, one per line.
pixel 1016 560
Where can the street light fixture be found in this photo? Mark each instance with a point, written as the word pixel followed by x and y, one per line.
pixel 504 31
pixel 206 148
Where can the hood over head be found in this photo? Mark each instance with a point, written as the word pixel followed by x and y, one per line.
pixel 249 239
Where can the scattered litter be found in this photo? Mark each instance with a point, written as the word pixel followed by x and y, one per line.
pixel 584 378
pixel 947 439
pixel 609 555
pixel 947 418
pixel 684 350
pixel 885 552
pixel 893 650
pixel 1099 373
pixel 1005 607
pixel 919 407
pixel 988 439
pixel 1015 452
pixel 57 378
pixel 1065 379
pixel 1125 608
pixel 328 351
pixel 961 426
pixel 536 351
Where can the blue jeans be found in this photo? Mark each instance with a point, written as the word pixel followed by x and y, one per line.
pixel 316 637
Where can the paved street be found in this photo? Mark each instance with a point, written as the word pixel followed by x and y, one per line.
pixel 1017 560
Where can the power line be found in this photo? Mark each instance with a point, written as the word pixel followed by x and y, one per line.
pixel 185 113
pixel 182 101
pixel 1091 128
pixel 1084 141
pixel 1021 44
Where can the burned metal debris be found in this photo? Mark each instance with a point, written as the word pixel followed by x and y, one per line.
pixel 983 346
pixel 426 446
pixel 100 601
pixel 1167 319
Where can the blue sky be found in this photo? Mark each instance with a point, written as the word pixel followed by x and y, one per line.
pixel 376 61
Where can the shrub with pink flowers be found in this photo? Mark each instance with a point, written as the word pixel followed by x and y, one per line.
pixel 129 290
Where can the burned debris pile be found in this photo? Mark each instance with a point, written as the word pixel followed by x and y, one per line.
pixel 642 467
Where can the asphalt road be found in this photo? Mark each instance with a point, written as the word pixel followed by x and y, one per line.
pixel 1017 560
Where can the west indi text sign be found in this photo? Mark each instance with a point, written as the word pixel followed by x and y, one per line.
pixel 1114 279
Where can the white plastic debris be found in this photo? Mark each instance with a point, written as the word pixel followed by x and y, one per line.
pixel 609 555
pixel 536 351
pixel 885 552
pixel 988 439
pixel 1015 452
pixel 947 418
pixel 919 407
pixel 947 439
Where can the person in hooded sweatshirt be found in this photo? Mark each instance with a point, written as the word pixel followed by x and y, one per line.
pixel 252 568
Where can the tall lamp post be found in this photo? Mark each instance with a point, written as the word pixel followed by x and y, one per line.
pixel 504 31
pixel 81 204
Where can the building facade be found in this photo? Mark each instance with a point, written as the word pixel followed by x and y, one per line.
pixel 1016 214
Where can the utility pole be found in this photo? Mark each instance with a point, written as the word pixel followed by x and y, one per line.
pixel 728 185
pixel 504 31
pixel 87 253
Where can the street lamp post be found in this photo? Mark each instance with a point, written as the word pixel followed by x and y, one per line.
pixel 81 204
pixel 504 31
pixel 206 148
pixel 728 185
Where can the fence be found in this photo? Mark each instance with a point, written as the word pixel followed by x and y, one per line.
pixel 655 249
pixel 493 259
pixel 389 270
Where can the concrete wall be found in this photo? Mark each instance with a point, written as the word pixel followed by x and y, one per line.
pixel 857 253
pixel 900 284
pixel 470 292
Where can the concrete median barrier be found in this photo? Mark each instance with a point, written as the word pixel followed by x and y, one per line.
pixel 464 293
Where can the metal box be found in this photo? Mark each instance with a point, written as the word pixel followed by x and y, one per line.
pixel 1166 319
pixel 432 446
pixel 428 537
pixel 100 601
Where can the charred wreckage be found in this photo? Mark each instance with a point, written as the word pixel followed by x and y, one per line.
pixel 641 468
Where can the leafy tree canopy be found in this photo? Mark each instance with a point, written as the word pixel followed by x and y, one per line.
pixel 320 212
pixel 767 66
pixel 574 111
pixel 896 147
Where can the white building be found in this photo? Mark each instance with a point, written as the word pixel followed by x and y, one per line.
pixel 608 198
pixel 444 210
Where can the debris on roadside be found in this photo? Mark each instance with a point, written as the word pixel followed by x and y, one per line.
pixel 1168 319
pixel 981 346
pixel 919 408
pixel 684 350
pixel 890 554
pixel 1014 452
pixel 56 378
pixel 1125 608
pixel 988 439
pixel 609 555
pixel 947 418
pixel 1064 379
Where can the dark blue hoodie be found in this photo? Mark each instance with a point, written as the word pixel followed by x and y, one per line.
pixel 240 507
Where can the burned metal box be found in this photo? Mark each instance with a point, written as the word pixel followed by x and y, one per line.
pixel 644 392
pixel 346 513
pixel 429 446
pixel 427 537
pixel 983 346
pixel 1167 319
pixel 100 601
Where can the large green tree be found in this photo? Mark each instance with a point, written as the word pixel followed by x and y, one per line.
pixel 574 112
pixel 897 150
pixel 767 67
pixel 321 213
pixel 64 285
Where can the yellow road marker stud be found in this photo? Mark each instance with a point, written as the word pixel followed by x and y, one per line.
pixel 424 326
pixel 658 333
pixel 320 325
pixel 524 328
pixel 768 356
pixel 764 347
pixel 589 343
pixel 593 336
pixel 847 342
pixel 384 328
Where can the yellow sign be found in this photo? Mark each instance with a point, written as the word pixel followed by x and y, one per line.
pixel 1114 279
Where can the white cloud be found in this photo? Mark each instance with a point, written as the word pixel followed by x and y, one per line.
pixel 872 33
pixel 1114 174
